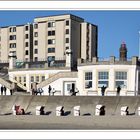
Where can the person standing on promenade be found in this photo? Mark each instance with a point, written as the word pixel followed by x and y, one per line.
pixel 1 90
pixel 49 90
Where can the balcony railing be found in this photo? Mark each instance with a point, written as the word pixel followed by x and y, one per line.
pixel 40 64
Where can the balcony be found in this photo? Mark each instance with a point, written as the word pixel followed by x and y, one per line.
pixel 41 64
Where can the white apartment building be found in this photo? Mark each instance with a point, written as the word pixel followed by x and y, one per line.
pixel 48 38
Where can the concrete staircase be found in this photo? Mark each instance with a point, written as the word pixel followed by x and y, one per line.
pixel 19 84
pixel 6 83
pixel 4 80
pixel 56 77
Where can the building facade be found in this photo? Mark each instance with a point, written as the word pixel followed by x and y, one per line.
pixel 48 38
pixel 16 39
pixel 110 74
pixel 89 78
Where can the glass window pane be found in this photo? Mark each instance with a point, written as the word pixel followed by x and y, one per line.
pixel 43 78
pixel 122 84
pixel 121 75
pixel 88 76
pixel 102 75
pixel 88 84
pixel 102 83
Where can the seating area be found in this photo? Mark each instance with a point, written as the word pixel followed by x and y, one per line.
pixel 99 111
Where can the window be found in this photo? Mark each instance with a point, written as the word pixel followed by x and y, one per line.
pixel 26 52
pixel 67 48
pixel 12 37
pixel 26 28
pixel 26 36
pixel 36 51
pixel 51 41
pixel 67 40
pixel 12 45
pixel 67 31
pixel 67 22
pixel 88 80
pixel 36 42
pixel 121 79
pixel 24 79
pixel 36 58
pixel 103 79
pixel 26 44
pixel 36 34
pixel 32 78
pixel 14 29
pixel 20 79
pixel 35 26
pixel 51 24
pixel 51 33
pixel 43 78
pixel 51 50
pixel 10 30
pixel 51 58
pixel 37 78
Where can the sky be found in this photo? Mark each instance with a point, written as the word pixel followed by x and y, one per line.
pixel 114 27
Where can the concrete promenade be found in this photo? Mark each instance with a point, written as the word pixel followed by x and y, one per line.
pixel 68 122
pixel 87 120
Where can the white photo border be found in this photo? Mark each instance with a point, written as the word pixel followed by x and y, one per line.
pixel 69 134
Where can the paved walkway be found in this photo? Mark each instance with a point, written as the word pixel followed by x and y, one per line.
pixel 67 122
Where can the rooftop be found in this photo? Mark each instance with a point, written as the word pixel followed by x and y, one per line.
pixel 110 61
pixel 60 16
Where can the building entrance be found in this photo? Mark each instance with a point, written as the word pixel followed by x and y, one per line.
pixel 69 87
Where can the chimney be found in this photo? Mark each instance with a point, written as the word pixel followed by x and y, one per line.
pixel 123 52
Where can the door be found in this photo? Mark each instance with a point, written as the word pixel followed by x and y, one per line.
pixel 67 87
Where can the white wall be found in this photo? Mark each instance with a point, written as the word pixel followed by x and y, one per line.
pixel 111 69
pixel 12 74
pixel 132 84
pixel 58 85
